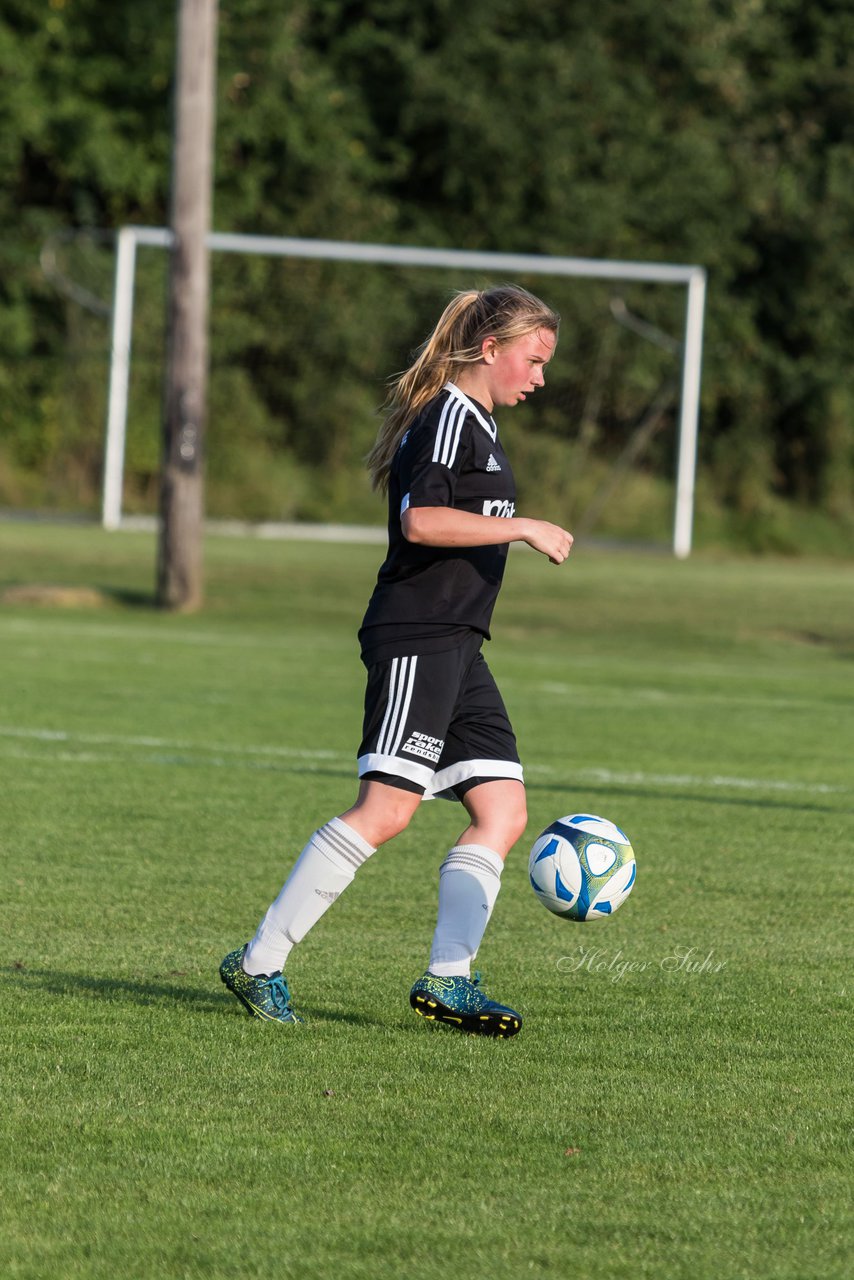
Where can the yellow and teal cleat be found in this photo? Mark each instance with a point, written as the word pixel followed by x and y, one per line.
pixel 264 995
pixel 459 1003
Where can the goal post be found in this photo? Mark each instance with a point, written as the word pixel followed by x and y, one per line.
pixel 691 278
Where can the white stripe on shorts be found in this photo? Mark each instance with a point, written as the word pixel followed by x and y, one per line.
pixel 454 774
pixel 396 767
pixel 401 682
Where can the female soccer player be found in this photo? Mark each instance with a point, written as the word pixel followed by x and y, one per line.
pixel 434 722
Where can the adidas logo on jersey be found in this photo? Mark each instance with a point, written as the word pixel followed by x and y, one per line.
pixel 492 465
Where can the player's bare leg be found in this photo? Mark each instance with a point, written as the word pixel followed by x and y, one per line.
pixel 381 811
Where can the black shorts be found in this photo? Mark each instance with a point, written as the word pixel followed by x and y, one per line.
pixel 436 724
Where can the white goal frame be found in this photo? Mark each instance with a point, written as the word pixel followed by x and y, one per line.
pixel 693 278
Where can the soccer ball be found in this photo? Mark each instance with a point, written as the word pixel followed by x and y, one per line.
pixel 582 867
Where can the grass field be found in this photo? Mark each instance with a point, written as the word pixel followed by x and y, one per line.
pixel 678 1103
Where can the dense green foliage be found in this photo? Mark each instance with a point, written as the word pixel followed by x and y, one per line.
pixel 714 132
pixel 651 1121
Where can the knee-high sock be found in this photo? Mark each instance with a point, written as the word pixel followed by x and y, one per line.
pixel 469 880
pixel 321 873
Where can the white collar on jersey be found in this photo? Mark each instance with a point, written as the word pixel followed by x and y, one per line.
pixel 487 423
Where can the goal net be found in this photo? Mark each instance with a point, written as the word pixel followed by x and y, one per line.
pixel 304 334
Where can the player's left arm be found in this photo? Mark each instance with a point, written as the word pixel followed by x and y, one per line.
pixel 450 527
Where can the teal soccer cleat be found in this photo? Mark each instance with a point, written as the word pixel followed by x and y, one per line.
pixel 263 996
pixel 459 1003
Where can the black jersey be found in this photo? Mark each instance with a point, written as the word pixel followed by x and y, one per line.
pixel 426 598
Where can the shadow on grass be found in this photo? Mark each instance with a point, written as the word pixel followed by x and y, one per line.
pixel 658 793
pixel 160 991
pixel 131 598
pixel 317 1013
pixel 118 989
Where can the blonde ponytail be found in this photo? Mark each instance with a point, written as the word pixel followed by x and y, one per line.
pixel 505 313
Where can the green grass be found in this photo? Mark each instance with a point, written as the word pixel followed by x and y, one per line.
pixel 652 1119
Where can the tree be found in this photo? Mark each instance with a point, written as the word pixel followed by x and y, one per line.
pixel 720 134
pixel 179 560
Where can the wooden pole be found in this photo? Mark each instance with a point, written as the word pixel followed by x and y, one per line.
pixel 179 554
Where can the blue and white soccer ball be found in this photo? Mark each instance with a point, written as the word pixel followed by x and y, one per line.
pixel 582 867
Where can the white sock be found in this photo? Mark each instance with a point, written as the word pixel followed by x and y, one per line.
pixel 469 880
pixel 324 869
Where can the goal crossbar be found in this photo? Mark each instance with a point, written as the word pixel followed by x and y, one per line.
pixel 693 278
